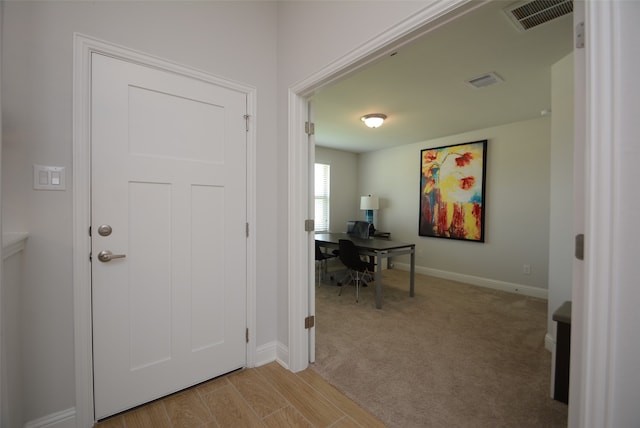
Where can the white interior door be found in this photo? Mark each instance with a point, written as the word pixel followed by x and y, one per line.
pixel 168 177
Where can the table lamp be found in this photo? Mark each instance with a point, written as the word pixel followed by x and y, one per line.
pixel 369 203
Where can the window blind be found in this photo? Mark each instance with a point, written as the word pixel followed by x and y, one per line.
pixel 322 185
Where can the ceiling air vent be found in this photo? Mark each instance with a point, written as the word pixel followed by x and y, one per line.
pixel 484 80
pixel 529 14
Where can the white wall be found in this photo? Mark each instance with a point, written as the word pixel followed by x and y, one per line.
pixel 561 209
pixel 516 204
pixel 234 40
pixel 345 201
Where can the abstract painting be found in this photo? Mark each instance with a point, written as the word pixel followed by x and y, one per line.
pixel 452 184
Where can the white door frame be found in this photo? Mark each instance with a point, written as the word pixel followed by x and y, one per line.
pixel 84 46
pixel 591 382
pixel 311 298
pixel 590 385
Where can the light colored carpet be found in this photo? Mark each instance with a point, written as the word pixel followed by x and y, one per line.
pixel 455 355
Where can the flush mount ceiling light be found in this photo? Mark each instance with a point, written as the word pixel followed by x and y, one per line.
pixel 373 120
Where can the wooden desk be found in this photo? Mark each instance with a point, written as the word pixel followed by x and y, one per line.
pixel 381 249
pixel 381 235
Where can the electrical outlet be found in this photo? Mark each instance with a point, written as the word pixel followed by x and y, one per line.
pixel 526 269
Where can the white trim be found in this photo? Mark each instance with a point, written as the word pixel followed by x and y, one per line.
pixel 298 257
pixel 311 260
pixel 3 393
pixel 282 353
pixel 591 389
pixel 432 16
pixel 266 353
pixel 252 104
pixel 510 287
pixel 549 343
pixel 84 46
pixel 61 419
pixel 81 221
pixel 270 352
pixel 580 189
pixel 13 243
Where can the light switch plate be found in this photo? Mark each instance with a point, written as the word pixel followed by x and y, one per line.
pixel 49 177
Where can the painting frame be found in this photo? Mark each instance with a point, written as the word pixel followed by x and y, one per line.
pixel 452 191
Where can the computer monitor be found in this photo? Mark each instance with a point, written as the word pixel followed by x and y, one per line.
pixel 361 229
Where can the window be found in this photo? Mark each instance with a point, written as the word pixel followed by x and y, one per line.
pixel 322 197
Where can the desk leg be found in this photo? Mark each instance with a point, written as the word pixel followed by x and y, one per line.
pixel 379 282
pixel 413 272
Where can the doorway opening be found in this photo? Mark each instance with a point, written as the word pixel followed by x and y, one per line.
pixel 334 80
pixel 301 244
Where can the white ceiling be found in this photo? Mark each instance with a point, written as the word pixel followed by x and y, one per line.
pixel 423 90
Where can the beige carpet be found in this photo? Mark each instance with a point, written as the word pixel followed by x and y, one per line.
pixel 455 355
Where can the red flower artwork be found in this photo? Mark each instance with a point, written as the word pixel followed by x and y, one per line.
pixel 467 183
pixel 464 160
pixel 452 191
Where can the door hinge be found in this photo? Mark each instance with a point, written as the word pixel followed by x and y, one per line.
pixel 310 128
pixel 580 35
pixel 247 335
pixel 90 257
pixel 247 229
pixel 309 321
pixel 89 230
pixel 309 225
pixel 579 246
pixel 246 121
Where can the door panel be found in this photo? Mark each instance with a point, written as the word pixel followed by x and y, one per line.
pixel 169 177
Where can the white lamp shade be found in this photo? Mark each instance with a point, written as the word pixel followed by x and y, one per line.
pixel 369 202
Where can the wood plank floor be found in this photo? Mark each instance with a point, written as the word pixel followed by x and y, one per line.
pixel 266 396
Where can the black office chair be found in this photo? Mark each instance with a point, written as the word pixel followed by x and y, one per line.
pixel 357 268
pixel 363 230
pixel 357 229
pixel 351 230
pixel 321 262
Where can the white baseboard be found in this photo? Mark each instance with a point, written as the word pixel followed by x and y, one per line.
pixel 61 419
pixel 549 342
pixel 272 351
pixel 283 355
pixel 510 287
pixel 266 353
